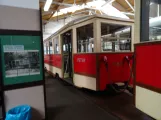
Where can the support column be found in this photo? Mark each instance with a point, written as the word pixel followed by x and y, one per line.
pixel 97 36
pixel 137 21
pixel 60 44
pixel 74 40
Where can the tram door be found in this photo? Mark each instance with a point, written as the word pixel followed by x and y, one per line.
pixel 67 54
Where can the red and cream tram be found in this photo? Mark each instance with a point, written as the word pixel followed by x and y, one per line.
pixel 92 52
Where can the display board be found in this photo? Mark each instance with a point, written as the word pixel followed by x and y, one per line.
pixel 21 59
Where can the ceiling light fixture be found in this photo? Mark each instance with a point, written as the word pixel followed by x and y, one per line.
pixel 47 5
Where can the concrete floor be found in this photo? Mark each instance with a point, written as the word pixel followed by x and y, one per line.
pixel 65 102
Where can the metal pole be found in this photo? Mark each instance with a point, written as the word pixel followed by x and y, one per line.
pixel 158 10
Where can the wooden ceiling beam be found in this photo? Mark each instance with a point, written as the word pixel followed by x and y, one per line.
pixel 118 6
pixel 129 4
pixel 85 11
pixel 57 6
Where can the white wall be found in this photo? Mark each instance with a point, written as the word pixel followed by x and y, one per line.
pixel 31 4
pixel 14 18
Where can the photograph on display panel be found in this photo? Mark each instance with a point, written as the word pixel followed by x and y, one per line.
pixel 34 62
pixel 10 64
pixel 22 63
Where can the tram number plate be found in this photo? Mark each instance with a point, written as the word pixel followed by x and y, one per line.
pixel 81 60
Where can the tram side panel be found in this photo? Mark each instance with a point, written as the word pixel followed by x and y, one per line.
pixel 53 64
pixel 117 69
pixel 91 72
pixel 85 71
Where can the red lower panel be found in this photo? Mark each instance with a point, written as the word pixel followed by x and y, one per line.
pixel 85 64
pixel 54 60
pixel 118 69
pixel 148 65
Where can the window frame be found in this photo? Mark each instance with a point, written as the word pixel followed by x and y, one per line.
pixel 115 23
pixel 77 44
pixel 56 38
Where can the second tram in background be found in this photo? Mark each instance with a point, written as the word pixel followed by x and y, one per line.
pixel 92 52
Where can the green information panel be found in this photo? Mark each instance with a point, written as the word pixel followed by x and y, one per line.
pixel 21 59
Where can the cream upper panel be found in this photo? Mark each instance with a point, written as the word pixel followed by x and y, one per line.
pixel 116 22
pixel 97 31
pixel 84 23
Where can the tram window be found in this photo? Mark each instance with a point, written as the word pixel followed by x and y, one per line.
pixel 85 40
pixel 45 49
pixel 50 47
pixel 56 45
pixel 115 37
pixel 150 20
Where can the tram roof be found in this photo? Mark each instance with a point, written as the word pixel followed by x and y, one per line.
pixel 86 18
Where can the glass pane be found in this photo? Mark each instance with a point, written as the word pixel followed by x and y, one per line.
pixel 85 40
pixel 45 49
pixel 65 45
pixel 155 20
pixel 56 45
pixel 51 47
pixel 115 37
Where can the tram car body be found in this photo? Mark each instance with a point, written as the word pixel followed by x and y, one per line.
pixel 92 52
